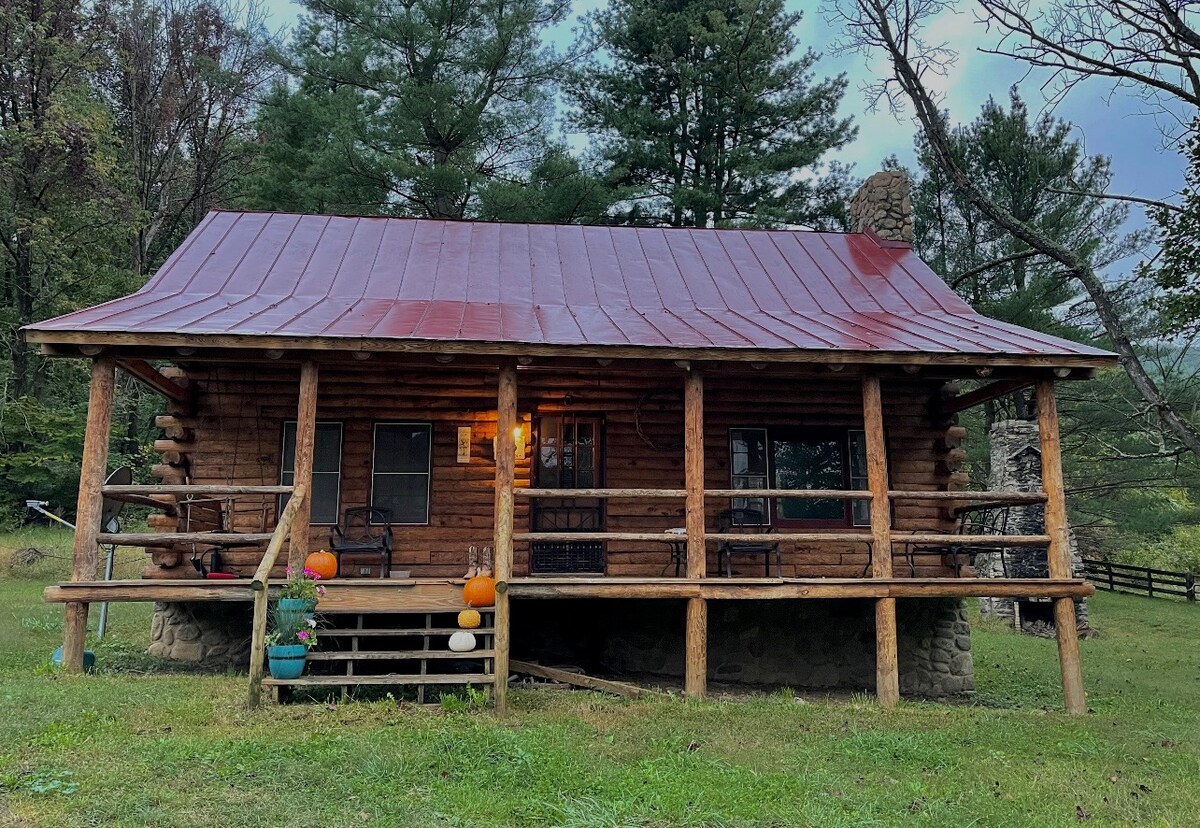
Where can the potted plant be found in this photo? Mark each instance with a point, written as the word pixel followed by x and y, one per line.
pixel 298 597
pixel 288 643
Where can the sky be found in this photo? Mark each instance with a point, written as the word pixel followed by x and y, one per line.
pixel 1109 123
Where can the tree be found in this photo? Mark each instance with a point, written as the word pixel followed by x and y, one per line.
pixel 1177 268
pixel 894 28
pixel 60 206
pixel 181 82
pixel 1034 168
pixel 558 189
pixel 446 95
pixel 705 111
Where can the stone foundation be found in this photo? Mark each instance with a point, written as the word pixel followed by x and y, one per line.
pixel 212 634
pixel 1016 465
pixel 804 644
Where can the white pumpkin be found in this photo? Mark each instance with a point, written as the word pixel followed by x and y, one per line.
pixel 462 642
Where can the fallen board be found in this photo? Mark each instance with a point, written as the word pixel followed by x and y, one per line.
pixel 630 691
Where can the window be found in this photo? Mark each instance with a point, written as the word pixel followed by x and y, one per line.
pixel 568 452
pixel 800 459
pixel 327 469
pixel 400 470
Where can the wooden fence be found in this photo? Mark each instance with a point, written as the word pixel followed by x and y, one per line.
pixel 1116 576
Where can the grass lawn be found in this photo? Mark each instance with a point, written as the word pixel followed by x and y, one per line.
pixel 135 744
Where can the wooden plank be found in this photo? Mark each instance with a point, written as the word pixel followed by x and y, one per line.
pixel 693 464
pixel 981 395
pixel 306 434
pixel 820 356
pixel 184 590
pixel 177 538
pixel 197 490
pixel 153 379
pixel 142 500
pixel 386 679
pixel 408 632
pixel 629 691
pixel 506 422
pixel 887 665
pixel 395 655
pixel 972 540
pixel 92 471
pixel 793 494
pixel 258 629
pixel 695 671
pixel 602 493
pixel 1058 553
pixel 969 496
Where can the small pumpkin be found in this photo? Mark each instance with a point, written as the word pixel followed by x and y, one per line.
pixel 323 563
pixel 469 619
pixel 462 642
pixel 480 591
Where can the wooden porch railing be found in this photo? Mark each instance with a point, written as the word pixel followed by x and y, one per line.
pixel 1009 497
pixel 262 575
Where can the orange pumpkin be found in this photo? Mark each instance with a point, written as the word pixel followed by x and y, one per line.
pixel 323 563
pixel 480 591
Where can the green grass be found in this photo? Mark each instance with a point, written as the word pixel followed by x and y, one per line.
pixel 135 744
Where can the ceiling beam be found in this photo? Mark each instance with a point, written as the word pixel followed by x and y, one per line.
pixel 991 391
pixel 154 379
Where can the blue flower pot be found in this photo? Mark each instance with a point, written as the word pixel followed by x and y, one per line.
pixel 286 661
pixel 294 611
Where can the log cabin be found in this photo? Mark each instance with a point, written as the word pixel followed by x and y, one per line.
pixel 698 454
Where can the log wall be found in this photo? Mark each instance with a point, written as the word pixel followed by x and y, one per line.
pixel 234 437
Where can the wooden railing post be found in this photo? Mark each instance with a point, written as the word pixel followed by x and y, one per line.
pixel 306 436
pixel 92 470
pixel 887 664
pixel 695 681
pixel 506 447
pixel 1058 553
pixel 260 585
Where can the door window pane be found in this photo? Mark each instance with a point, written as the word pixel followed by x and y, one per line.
pixel 748 465
pixel 861 509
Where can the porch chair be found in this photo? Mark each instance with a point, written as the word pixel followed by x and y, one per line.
pixel 978 519
pixel 750 522
pixel 364 530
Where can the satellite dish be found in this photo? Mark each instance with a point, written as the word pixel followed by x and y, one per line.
pixel 111 509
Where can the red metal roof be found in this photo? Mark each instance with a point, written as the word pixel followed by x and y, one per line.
pixel 282 274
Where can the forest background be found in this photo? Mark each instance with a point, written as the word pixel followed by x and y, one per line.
pixel 123 123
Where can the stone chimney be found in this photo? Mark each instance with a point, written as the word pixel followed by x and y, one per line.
pixel 883 204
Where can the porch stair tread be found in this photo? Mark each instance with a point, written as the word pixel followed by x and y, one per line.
pixel 396 655
pixel 397 679
pixel 405 632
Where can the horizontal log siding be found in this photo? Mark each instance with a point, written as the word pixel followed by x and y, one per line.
pixel 236 435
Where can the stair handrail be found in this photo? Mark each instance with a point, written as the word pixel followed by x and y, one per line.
pixel 258 636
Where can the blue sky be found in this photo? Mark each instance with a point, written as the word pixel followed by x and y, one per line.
pixel 1109 123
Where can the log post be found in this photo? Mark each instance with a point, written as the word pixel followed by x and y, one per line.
pixel 506 448
pixel 696 630
pixel 1058 553
pixel 887 670
pixel 306 436
pixel 89 506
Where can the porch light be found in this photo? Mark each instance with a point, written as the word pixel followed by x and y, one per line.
pixel 518 442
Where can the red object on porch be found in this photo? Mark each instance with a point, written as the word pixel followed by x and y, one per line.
pixel 281 274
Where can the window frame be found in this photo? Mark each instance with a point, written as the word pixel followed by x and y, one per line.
pixel 428 473
pixel 843 435
pixel 341 444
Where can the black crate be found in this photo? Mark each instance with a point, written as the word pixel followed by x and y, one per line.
pixel 566 557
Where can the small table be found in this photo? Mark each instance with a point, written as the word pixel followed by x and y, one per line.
pixel 677 540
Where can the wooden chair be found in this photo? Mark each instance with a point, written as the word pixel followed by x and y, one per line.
pixel 750 522
pixel 364 530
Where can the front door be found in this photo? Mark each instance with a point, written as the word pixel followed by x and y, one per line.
pixel 570 455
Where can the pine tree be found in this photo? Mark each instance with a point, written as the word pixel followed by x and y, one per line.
pixel 421 103
pixel 705 110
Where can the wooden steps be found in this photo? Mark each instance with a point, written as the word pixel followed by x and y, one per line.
pixel 391 646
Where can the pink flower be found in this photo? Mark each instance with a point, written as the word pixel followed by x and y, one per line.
pixel 303 635
pixel 308 573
